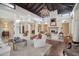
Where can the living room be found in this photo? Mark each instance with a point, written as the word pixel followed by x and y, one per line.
pixel 43 32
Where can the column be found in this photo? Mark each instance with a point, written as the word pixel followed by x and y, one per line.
pixel 29 30
pixel 36 29
pixel 16 29
pixel 75 30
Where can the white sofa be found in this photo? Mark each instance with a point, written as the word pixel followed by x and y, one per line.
pixel 40 42
pixel 5 51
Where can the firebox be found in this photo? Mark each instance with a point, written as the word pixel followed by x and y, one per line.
pixel 5 34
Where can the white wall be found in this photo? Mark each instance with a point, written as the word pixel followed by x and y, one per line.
pixel 19 13
pixel 61 18
pixel 75 24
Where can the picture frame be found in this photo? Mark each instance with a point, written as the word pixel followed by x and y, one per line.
pixel 53 22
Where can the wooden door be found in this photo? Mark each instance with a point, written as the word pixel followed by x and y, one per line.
pixel 65 29
pixel 45 28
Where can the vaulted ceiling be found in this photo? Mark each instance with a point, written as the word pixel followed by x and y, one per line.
pixel 37 7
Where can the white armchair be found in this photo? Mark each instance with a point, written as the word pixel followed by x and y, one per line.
pixel 4 49
pixel 1 43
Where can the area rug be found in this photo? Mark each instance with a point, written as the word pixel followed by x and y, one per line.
pixel 57 48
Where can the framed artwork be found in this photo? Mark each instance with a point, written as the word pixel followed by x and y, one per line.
pixel 53 22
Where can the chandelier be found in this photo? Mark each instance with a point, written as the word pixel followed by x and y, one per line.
pixel 44 12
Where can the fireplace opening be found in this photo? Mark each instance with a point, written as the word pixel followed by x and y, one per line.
pixel 54 31
pixel 5 34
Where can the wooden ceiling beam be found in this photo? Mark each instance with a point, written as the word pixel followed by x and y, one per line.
pixel 63 6
pixel 39 11
pixel 42 5
pixel 36 5
pixel 54 7
pixel 29 5
pixel 49 6
pixel 32 6
pixel 25 4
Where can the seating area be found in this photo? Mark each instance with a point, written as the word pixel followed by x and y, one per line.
pixel 38 29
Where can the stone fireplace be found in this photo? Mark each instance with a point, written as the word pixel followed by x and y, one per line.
pixel 53 30
pixel 6 29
